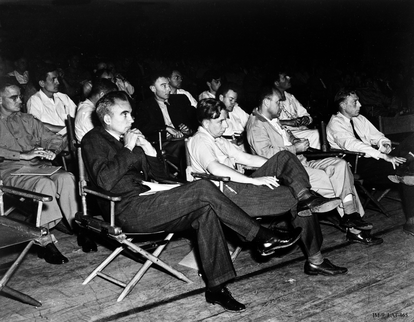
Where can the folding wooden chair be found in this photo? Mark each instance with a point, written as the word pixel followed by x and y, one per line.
pixel 124 240
pixel 13 232
pixel 353 158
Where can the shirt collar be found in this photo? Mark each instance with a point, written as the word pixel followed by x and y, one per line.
pixel 44 96
pixel 340 115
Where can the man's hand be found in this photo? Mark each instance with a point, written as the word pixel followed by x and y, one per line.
pixel 130 138
pixel 292 122
pixel 176 134
pixel 396 161
pixel 385 148
pixel 184 129
pixel 301 145
pixel 135 137
pixel 38 153
pixel 304 120
pixel 271 182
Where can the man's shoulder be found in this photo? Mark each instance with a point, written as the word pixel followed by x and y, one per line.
pixel 147 103
pixel 92 135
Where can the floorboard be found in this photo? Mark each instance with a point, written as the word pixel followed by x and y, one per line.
pixel 379 285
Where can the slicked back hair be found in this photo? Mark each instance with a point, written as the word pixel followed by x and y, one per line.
pixel 106 102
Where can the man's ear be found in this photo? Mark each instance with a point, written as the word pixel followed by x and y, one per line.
pixel 107 119
pixel 152 88
pixel 221 97
pixel 205 123
pixel 42 83
pixel 277 83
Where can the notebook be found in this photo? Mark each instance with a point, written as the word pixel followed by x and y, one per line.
pixel 38 170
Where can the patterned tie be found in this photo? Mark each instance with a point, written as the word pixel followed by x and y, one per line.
pixel 353 129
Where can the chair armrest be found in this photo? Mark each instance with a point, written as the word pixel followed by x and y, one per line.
pixel 210 177
pixel 97 225
pixel 104 195
pixel 360 154
pixel 25 194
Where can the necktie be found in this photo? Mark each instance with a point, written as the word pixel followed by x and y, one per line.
pixel 355 133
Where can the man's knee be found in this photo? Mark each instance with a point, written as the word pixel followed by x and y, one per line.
pixel 46 185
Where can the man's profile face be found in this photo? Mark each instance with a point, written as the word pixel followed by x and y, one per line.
pixel 351 106
pixel 229 100
pixel 11 100
pixel 216 127
pixel 274 105
pixel 284 82
pixel 214 84
pixel 120 121
pixel 176 79
pixel 161 88
pixel 51 84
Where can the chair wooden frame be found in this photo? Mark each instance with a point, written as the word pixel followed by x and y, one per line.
pixel 14 232
pixel 125 240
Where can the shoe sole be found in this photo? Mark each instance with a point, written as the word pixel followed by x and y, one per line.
pixel 366 244
pixel 407 180
pixel 273 250
pixel 368 227
pixel 314 273
pixel 232 311
pixel 327 206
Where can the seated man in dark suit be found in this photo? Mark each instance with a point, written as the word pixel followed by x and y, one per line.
pixel 171 114
pixel 119 167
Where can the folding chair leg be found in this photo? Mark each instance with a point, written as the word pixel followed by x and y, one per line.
pixel 16 294
pixel 235 253
pixel 375 201
pixel 105 263
pixel 151 259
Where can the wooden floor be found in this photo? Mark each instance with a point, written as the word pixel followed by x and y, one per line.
pixel 379 285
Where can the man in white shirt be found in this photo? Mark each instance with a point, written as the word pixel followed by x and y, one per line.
pixel 176 80
pixel 330 177
pixel 351 131
pixel 49 105
pixel 84 115
pixel 294 115
pixel 279 185
pixel 213 82
pixel 237 117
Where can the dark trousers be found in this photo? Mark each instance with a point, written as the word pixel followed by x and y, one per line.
pixel 259 201
pixel 375 173
pixel 199 206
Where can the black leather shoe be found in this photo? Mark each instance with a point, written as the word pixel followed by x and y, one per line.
pixel 52 255
pixel 317 203
pixel 280 240
pixel 363 238
pixel 326 268
pixel 225 299
pixel 409 228
pixel 87 244
pixel 355 221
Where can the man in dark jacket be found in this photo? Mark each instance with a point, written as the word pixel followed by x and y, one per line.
pixel 119 167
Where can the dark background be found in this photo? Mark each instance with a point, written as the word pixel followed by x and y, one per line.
pixel 379 29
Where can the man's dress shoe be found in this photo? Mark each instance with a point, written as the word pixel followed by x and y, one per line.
pixel 280 240
pixel 316 203
pixel 354 220
pixel 326 268
pixel 86 243
pixel 52 255
pixel 225 299
pixel 408 228
pixel 405 179
pixel 363 238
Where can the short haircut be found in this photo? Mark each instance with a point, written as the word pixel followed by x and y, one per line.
pixel 209 109
pixel 7 81
pixel 342 94
pixel 106 102
pixel 211 74
pixel 267 91
pixel 223 89
pixel 102 85
pixel 41 70
pixel 157 74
